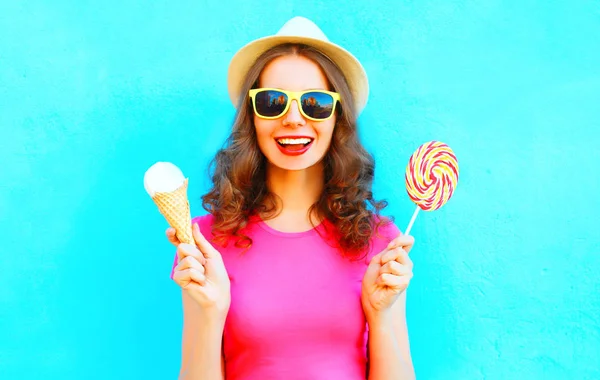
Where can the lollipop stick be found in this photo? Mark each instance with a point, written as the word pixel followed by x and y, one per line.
pixel 412 220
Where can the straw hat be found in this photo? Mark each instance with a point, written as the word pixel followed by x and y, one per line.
pixel 303 31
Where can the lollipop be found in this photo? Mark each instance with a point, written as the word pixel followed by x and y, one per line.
pixel 167 187
pixel 431 177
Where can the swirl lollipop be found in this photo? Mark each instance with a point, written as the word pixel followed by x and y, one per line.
pixel 431 177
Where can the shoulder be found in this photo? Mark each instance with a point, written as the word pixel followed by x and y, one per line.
pixel 205 223
pixel 385 230
pixel 201 220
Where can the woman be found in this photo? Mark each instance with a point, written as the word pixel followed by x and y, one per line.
pixel 300 279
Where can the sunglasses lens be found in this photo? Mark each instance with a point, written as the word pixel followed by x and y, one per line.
pixel 317 105
pixel 270 103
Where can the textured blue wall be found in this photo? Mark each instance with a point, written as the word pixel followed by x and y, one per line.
pixel 91 95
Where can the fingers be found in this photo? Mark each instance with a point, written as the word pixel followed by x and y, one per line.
pixel 189 273
pixel 396 254
pixel 171 235
pixel 405 242
pixel 185 250
pixel 205 247
pixel 396 265
pixel 392 281
pixel 189 278
pixel 395 275
pixel 190 262
pixel 396 269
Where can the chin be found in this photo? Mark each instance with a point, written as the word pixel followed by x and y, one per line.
pixel 294 164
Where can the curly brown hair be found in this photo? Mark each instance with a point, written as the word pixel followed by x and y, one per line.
pixel 239 170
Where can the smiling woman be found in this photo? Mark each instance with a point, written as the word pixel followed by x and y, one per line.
pixel 294 273
pixel 292 141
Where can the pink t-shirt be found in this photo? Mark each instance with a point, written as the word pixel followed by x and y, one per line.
pixel 295 306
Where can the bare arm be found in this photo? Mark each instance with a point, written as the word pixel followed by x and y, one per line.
pixel 389 349
pixel 201 347
pixel 201 273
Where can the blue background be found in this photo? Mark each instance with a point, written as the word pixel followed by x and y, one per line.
pixel 92 94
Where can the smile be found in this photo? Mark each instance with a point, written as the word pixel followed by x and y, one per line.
pixel 294 145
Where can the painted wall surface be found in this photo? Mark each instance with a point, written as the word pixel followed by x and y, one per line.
pixel 92 94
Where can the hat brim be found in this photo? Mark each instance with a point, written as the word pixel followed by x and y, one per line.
pixel 353 71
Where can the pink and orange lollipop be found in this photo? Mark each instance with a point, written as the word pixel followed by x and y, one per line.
pixel 431 177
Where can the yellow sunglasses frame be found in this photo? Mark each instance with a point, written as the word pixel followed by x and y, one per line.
pixel 293 95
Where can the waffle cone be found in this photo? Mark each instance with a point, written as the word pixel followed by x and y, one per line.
pixel 175 207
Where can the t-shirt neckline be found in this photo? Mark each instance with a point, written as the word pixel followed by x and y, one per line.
pixel 275 232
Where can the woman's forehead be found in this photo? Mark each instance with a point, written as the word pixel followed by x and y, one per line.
pixel 294 73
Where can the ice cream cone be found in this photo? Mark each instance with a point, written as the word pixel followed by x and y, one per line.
pixel 167 186
pixel 175 207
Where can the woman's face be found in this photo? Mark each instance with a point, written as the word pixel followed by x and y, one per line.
pixel 293 73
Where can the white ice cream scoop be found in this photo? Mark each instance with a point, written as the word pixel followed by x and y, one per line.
pixel 167 187
pixel 163 177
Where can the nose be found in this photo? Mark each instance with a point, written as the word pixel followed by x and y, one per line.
pixel 293 117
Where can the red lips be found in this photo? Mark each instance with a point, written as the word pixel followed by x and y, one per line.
pixel 292 150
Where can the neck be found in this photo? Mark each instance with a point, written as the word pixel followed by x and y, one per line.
pixel 297 190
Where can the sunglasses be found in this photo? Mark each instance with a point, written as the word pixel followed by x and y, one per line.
pixel 272 103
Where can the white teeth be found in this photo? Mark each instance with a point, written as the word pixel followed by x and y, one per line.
pixel 294 141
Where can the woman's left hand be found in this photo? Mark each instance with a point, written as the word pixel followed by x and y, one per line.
pixel 387 276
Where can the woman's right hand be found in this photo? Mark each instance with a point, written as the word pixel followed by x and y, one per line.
pixel 201 272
